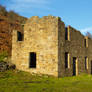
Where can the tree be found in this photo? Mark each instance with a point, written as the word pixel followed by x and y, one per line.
pixel 3 11
pixel 89 35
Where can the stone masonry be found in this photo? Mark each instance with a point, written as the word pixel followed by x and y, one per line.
pixel 48 47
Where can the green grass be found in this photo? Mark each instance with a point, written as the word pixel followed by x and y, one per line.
pixel 18 81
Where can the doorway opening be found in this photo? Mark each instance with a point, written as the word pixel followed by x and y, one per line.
pixel 91 66
pixel 75 66
pixel 32 60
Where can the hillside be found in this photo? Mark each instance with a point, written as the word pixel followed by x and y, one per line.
pixel 8 22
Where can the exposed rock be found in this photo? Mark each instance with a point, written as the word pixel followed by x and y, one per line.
pixel 6 66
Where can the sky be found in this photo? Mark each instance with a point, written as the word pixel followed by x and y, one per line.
pixel 77 13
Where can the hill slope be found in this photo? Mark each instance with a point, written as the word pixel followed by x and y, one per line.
pixel 8 22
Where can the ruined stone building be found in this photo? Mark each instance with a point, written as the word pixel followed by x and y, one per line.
pixel 48 47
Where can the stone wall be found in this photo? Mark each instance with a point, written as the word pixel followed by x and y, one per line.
pixel 75 46
pixel 41 37
pixel 47 38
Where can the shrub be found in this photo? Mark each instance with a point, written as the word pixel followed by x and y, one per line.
pixel 3 55
pixel 12 15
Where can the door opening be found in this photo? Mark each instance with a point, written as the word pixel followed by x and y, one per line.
pixel 32 60
pixel 91 66
pixel 75 66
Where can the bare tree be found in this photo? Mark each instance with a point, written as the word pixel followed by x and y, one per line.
pixel 89 35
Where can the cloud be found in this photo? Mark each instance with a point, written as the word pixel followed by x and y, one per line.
pixel 30 1
pixel 89 29
pixel 25 6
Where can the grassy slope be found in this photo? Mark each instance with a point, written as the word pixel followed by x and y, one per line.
pixel 17 81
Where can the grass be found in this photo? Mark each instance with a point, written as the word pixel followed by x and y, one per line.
pixel 18 81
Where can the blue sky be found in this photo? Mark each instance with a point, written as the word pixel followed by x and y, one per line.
pixel 77 13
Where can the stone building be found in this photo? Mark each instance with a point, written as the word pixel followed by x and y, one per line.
pixel 48 47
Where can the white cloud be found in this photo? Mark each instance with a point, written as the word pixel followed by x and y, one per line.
pixel 27 5
pixel 89 29
pixel 30 1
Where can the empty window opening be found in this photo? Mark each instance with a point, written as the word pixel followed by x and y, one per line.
pixel 91 66
pixel 66 33
pixel 67 36
pixel 67 60
pixel 32 60
pixel 19 36
pixel 75 66
pixel 1 19
pixel 86 63
pixel 86 42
